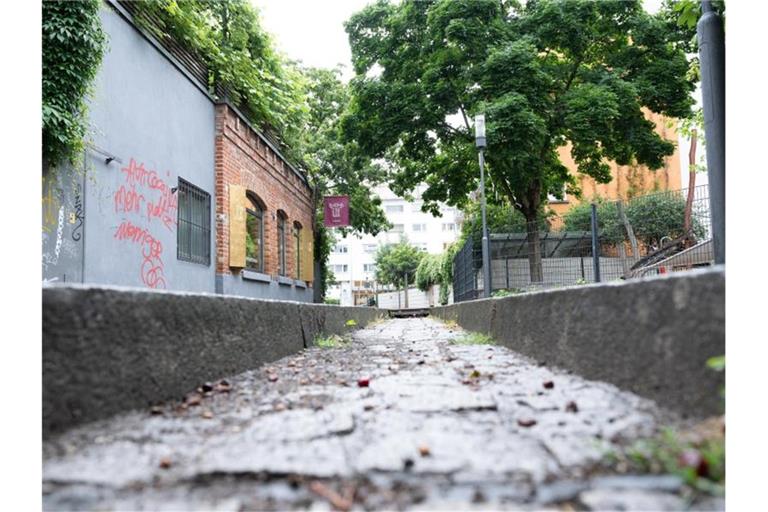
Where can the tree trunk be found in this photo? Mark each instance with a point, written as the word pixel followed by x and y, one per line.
pixel 534 249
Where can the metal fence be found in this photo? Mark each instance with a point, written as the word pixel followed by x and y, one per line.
pixel 646 235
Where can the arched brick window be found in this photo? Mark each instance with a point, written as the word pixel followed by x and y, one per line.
pixel 254 233
pixel 297 248
pixel 282 219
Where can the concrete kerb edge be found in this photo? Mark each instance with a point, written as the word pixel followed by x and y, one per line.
pixel 650 336
pixel 107 349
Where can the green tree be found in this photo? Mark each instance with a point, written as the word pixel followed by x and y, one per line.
pixel 428 271
pixel 397 262
pixel 242 62
pixel 73 45
pixel 501 218
pixel 652 217
pixel 545 73
pixel 335 167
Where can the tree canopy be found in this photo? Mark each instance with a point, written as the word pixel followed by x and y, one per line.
pixel 545 74
pixel 396 261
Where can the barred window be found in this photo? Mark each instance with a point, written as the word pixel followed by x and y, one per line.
pixel 193 235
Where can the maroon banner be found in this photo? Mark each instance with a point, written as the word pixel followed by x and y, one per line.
pixel 336 211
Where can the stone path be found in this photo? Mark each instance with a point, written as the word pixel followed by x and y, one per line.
pixel 440 426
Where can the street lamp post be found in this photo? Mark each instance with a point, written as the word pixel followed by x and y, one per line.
pixel 480 143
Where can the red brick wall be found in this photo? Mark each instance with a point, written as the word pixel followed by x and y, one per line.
pixel 243 158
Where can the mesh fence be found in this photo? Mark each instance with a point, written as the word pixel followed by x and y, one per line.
pixel 651 234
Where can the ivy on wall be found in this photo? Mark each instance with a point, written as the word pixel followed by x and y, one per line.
pixel 73 45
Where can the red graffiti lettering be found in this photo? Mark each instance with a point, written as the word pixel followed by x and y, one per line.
pixel 151 252
pixel 128 200
pixel 164 209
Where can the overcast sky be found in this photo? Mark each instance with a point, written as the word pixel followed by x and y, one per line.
pixel 312 31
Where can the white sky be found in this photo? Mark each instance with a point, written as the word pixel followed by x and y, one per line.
pixel 312 31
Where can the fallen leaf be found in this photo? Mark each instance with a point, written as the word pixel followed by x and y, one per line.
pixel 420 361
pixel 279 407
pixel 207 387
pixel 474 375
pixel 693 459
pixel 424 450
pixel 548 384
pixel 303 382
pixel 156 409
pixel 272 377
pixel 223 386
pixel 166 462
pixel 571 407
pixel 193 399
pixel 207 415
pixel 363 383
pixel 368 407
pixel 526 422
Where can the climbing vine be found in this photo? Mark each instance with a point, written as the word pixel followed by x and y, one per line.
pixel 73 45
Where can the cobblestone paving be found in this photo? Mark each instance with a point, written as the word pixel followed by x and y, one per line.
pixel 440 425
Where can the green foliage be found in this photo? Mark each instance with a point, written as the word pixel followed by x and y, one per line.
pixel 446 271
pixel 716 363
pixel 335 167
pixel 545 73
pixel 333 341
pixel 652 217
pixel 700 464
pixel 500 218
pixel 395 261
pixel 474 338
pixel 428 271
pixel 228 36
pixel 351 323
pixel 73 45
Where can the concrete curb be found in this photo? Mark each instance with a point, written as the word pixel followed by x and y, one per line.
pixel 108 349
pixel 650 336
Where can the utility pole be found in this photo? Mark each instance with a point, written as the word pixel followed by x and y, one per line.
pixel 480 143
pixel 712 55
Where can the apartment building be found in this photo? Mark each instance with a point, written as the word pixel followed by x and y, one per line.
pixel 352 259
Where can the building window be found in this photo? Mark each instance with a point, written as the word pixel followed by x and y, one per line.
pixel 394 208
pixel 254 235
pixel 449 226
pixel 340 269
pixel 369 267
pixel 420 227
pixel 193 236
pixel 397 228
pixel 340 249
pixel 297 248
pixel 281 218
pixel 370 248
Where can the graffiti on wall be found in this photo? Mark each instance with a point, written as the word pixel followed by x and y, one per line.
pixel 79 218
pixel 151 252
pixel 148 199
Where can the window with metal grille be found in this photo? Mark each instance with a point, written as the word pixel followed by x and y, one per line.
pixel 193 237
pixel 254 235
pixel 297 245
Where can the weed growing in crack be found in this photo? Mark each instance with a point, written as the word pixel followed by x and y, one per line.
pixel 474 338
pixel 332 341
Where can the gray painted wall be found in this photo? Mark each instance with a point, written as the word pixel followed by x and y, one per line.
pixel 115 223
pixel 161 126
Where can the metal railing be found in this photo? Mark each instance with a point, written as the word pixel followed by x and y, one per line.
pixel 646 235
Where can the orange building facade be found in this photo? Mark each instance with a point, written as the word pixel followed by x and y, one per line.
pixel 627 181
